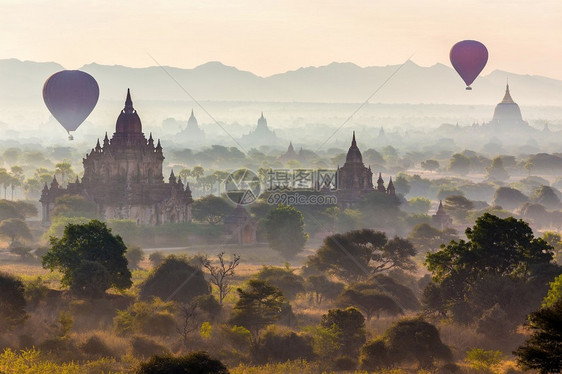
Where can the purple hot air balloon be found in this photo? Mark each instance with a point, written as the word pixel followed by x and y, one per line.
pixel 469 58
pixel 70 96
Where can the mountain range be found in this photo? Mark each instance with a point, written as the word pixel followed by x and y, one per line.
pixel 333 83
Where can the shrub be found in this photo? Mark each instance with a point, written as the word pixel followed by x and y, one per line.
pixel 480 359
pixel 276 346
pixel 195 362
pixel 345 363
pixel 156 258
pixel 374 355
pixel 12 302
pixel 95 346
pixel 175 279
pixel 134 255
pixel 144 347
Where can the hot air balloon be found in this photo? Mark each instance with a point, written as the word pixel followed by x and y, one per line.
pixel 70 96
pixel 469 58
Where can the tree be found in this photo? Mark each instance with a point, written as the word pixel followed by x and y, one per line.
pixel 543 350
pixel 134 255
pixel 545 195
pixel 12 302
pixel 323 288
pixel 281 346
pixel 194 362
pixel 259 305
pixel 285 230
pixel 64 169
pixel 418 205
pixel 8 210
pixel 175 279
pixel 509 198
pixel 210 208
pixel 554 292
pixel 374 355
pixel 197 172
pixel 357 254
pixel 459 164
pixel 427 238
pixel 350 323
pixel 495 247
pixel 370 303
pixel 430 165
pixel 82 244
pixel 285 279
pixel 458 206
pixel 74 206
pixel 496 170
pixel 221 273
pixel 14 228
pixel 415 340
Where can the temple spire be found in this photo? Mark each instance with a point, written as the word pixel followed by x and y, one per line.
pixel 128 102
pixel 507 97
pixel 353 142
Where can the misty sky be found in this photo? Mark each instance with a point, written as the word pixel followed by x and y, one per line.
pixel 268 37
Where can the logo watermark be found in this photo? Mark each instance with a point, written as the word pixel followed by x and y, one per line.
pixel 283 186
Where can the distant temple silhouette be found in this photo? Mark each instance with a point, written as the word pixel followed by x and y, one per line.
pixel 192 135
pixel 124 178
pixel 507 114
pixel 355 180
pixel 261 135
pixel 441 219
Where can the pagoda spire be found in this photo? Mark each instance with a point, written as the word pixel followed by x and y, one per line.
pixel 353 142
pixel 128 103
pixel 507 97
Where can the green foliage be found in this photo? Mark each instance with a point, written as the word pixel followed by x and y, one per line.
pixel 145 347
pixel 543 351
pixel 285 230
pixel 74 206
pixel 427 238
pixel 96 347
pixel 14 229
pixel 285 279
pixel 153 318
pixel 481 359
pixel 414 340
pixel 12 302
pixel 369 302
pixel 458 206
pixel 430 165
pixel 210 208
pixel 374 355
pixel 281 346
pixel 9 210
pixel 325 341
pixel 259 304
pixel 509 198
pixel 82 245
pixel 418 205
pixel 350 324
pixel 356 254
pixel 496 170
pixel 156 258
pixel 546 195
pixel 195 362
pixel 495 246
pixel 134 255
pixel 459 164
pixel 90 279
pixel 554 293
pixel 175 279
pixel 380 283
pixel 323 288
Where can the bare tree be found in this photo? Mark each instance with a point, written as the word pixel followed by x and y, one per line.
pixel 221 273
pixel 188 321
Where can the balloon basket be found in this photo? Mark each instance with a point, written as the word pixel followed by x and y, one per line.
pixel 469 88
pixel 70 137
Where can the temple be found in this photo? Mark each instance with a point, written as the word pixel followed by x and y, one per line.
pixel 123 177
pixel 354 179
pixel 441 219
pixel 507 114
pixel 192 134
pixel 261 135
